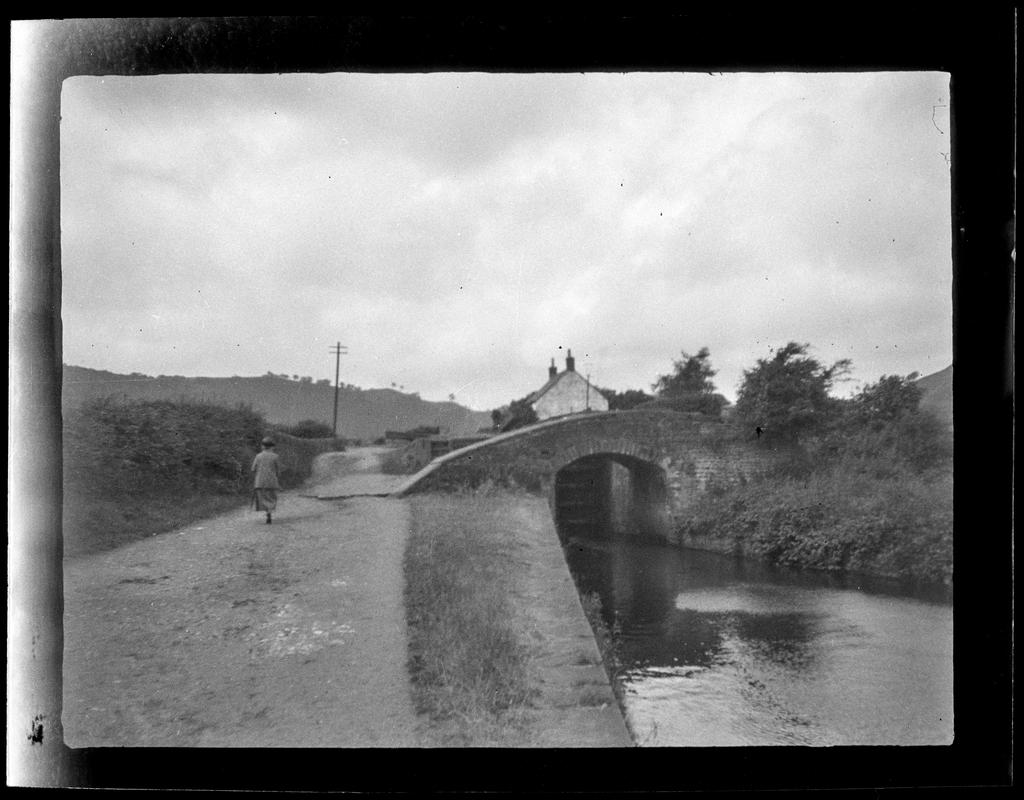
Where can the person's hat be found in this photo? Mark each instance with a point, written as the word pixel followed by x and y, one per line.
pixel 268 441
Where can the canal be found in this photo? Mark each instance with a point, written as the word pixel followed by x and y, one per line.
pixel 717 651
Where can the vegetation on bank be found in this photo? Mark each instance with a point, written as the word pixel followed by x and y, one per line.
pixel 899 526
pixel 868 487
pixel 468 642
pixel 866 484
pixel 485 621
pixel 136 468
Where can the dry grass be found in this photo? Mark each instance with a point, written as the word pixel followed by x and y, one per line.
pixel 469 650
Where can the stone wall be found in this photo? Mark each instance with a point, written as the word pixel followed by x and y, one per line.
pixel 701 469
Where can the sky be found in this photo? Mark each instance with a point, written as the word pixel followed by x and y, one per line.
pixel 457 231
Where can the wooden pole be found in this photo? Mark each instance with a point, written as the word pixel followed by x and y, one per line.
pixel 338 350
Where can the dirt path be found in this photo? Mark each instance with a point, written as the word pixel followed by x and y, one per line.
pixel 237 633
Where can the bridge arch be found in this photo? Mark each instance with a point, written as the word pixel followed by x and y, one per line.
pixel 610 493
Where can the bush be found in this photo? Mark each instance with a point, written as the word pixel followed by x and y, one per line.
pixel 143 444
pixel 897 525
pixel 518 414
pixel 688 388
pixel 787 396
pixel 870 490
pixel 706 404
pixel 412 434
pixel 624 401
pixel 132 469
pixel 310 429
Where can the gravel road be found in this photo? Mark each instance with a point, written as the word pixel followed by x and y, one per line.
pixel 236 633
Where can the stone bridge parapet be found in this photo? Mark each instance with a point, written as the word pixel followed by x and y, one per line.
pixel 694 453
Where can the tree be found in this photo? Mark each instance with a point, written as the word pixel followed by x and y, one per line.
pixel 891 398
pixel 624 401
pixel 689 386
pixel 691 374
pixel 885 425
pixel 787 396
pixel 518 414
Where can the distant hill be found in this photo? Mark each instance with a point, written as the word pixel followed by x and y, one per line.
pixel 937 393
pixel 362 413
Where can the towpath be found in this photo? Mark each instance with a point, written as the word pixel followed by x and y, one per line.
pixel 236 633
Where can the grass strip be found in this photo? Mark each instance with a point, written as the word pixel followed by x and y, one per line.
pixel 97 522
pixel 469 655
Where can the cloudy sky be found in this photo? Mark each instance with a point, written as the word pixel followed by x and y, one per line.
pixel 457 231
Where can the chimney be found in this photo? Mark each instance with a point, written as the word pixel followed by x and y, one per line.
pixel 570 363
pixel 552 370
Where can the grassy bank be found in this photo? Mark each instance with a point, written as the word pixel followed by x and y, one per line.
pixel 138 468
pixel 469 646
pixel 500 650
pixel 898 524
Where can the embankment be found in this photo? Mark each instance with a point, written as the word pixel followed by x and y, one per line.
pixel 501 652
pixel 897 526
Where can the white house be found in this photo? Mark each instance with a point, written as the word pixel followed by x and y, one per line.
pixel 566 392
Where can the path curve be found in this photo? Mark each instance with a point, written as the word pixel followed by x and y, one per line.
pixel 232 632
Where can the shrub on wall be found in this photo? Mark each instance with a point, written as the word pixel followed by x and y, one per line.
pixel 310 429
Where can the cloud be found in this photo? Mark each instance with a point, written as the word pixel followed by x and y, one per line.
pixel 455 230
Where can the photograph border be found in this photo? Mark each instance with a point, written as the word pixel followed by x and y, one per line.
pixel 975 47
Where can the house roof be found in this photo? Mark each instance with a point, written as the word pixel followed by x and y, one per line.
pixel 533 397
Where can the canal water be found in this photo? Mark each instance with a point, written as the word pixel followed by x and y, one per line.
pixel 716 651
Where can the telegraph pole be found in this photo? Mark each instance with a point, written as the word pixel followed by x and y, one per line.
pixel 339 350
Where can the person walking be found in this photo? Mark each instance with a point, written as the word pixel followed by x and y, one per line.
pixel 266 482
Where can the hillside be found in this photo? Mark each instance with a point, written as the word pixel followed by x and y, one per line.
pixel 937 393
pixel 362 413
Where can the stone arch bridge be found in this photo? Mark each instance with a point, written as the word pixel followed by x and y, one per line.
pixel 625 472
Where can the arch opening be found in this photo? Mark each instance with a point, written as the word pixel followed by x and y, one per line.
pixel 611 494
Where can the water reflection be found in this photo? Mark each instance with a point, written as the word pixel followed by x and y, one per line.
pixel 718 651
